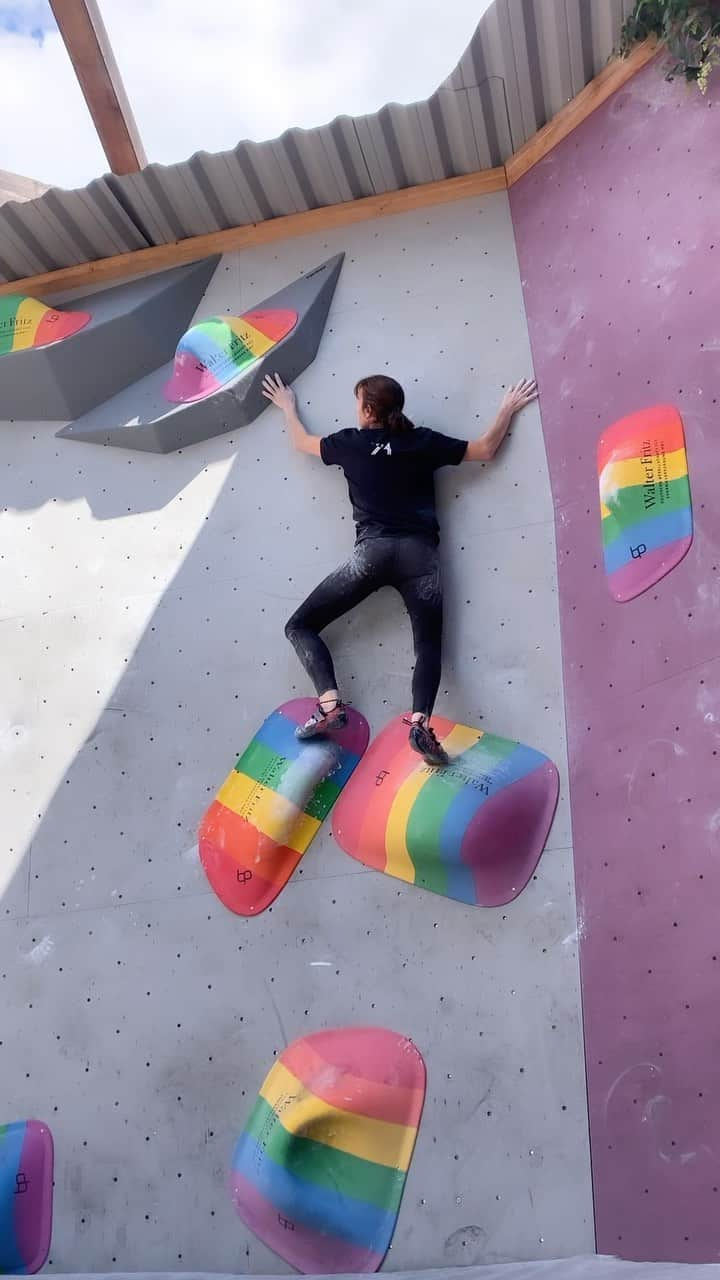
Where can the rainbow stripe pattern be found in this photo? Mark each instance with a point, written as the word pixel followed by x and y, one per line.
pixel 645 507
pixel 215 351
pixel 26 1194
pixel 319 1170
pixel 473 831
pixel 273 803
pixel 26 322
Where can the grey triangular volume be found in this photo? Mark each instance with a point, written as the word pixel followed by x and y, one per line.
pixel 133 329
pixel 141 417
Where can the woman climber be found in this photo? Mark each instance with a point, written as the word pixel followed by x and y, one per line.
pixel 390 466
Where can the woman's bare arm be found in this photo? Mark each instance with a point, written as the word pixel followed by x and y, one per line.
pixel 515 399
pixel 284 399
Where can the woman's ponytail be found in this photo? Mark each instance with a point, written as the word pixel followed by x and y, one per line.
pixel 396 421
pixel 384 398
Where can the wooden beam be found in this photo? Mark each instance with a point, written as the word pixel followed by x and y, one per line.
pixel 611 78
pixel 86 40
pixel 107 270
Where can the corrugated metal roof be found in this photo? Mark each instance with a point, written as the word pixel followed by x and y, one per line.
pixel 526 59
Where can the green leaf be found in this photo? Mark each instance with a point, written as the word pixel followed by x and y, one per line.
pixel 690 31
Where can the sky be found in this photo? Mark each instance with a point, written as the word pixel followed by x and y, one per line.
pixel 204 76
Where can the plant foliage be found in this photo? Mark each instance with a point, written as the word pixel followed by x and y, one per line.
pixel 691 32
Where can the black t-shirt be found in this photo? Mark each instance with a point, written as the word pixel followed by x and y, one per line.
pixel 391 476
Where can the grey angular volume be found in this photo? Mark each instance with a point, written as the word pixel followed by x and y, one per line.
pixel 133 329
pixel 140 417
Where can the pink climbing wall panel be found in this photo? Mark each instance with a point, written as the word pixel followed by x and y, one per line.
pixel 619 247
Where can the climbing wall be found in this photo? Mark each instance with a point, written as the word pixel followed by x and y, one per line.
pixel 143 603
pixel 619 250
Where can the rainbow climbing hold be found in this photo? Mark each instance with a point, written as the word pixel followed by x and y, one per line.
pixel 26 1181
pixel 319 1170
pixel 215 351
pixel 26 323
pixel 473 830
pixel 273 803
pixel 645 507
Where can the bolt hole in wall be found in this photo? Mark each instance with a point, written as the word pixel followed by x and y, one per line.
pixel 166 570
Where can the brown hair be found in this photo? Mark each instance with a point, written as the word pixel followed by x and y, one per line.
pixel 385 398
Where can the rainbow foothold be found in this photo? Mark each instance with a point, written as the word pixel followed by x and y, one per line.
pixel 645 507
pixel 26 323
pixel 473 830
pixel 272 805
pixel 26 1196
pixel 319 1170
pixel 215 351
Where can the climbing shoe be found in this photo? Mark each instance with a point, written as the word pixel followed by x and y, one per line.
pixel 422 739
pixel 321 722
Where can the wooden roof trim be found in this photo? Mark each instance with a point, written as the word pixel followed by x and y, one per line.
pixel 612 77
pixel 159 257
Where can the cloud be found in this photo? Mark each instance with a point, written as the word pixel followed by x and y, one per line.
pixel 30 18
pixel 203 77
pixel 47 133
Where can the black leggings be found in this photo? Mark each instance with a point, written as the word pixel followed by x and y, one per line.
pixel 411 565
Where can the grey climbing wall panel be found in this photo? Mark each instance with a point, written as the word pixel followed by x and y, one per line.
pixel 133 329
pixel 141 417
pixel 143 605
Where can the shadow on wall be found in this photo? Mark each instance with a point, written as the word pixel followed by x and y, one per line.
pixel 37 469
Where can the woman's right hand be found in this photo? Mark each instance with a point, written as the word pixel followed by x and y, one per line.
pixel 281 396
pixel 515 398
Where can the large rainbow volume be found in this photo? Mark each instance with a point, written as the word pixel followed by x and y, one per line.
pixel 273 803
pixel 319 1171
pixel 647 524
pixel 26 1180
pixel 25 323
pixel 473 830
pixel 217 350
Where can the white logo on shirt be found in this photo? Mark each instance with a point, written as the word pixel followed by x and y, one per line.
pixel 382 448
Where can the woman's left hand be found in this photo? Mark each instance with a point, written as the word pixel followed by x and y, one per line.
pixel 274 389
